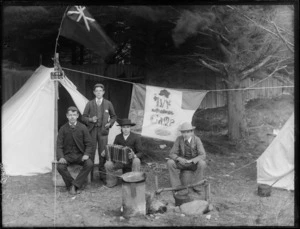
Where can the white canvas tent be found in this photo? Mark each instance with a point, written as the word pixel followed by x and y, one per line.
pixel 276 164
pixel 28 124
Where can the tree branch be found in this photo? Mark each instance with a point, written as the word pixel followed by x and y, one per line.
pixel 260 26
pixel 227 53
pixel 245 74
pixel 221 36
pixel 210 67
pixel 286 43
pixel 275 70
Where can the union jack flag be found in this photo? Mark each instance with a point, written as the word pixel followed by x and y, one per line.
pixel 80 26
pixel 80 11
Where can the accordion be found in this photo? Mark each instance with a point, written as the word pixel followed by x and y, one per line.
pixel 117 153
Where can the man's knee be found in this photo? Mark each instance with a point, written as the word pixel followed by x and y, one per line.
pixel 136 161
pixel 89 163
pixel 61 167
pixel 171 163
pixel 109 165
pixel 201 164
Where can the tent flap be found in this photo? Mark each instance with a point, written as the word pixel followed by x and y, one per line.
pixel 276 165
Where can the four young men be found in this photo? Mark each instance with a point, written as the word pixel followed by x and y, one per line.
pixel 76 144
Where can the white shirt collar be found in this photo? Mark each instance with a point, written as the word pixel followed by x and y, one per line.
pixel 190 139
pixel 125 137
pixel 72 124
pixel 100 100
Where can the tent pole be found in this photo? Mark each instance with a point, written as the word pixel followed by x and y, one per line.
pixel 55 116
pixel 56 68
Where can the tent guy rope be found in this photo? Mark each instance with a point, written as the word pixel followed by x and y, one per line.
pixel 235 89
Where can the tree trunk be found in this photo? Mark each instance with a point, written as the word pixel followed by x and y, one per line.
pixel 236 112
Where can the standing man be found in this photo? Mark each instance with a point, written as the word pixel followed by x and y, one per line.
pixel 133 142
pixel 74 146
pixel 187 153
pixel 99 115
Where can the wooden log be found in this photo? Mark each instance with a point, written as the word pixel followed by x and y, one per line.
pixel 202 182
pixel 73 170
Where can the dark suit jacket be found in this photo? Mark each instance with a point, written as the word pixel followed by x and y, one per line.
pixel 81 137
pixel 197 148
pixel 91 110
pixel 133 141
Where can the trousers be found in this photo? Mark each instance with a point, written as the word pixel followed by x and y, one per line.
pixel 113 166
pixel 102 142
pixel 174 167
pixel 82 176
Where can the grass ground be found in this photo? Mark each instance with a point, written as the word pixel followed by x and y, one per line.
pixel 33 201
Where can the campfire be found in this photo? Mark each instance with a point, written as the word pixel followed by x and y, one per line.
pixel 135 200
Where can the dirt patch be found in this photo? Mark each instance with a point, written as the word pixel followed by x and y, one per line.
pixel 34 202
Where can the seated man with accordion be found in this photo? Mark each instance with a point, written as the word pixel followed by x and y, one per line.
pixel 124 154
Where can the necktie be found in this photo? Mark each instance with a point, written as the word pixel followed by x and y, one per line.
pixel 72 126
pixel 98 102
pixel 187 142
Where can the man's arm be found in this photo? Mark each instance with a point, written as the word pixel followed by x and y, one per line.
pixel 86 114
pixel 60 144
pixel 116 141
pixel 112 114
pixel 138 146
pixel 200 151
pixel 88 143
pixel 175 150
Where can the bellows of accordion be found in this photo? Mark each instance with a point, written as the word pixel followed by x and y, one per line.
pixel 117 153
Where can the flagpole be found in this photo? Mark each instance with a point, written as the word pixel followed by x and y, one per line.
pixel 57 67
pixel 65 13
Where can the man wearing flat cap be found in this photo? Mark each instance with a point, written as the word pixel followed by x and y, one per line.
pixel 99 115
pixel 74 146
pixel 187 153
pixel 133 142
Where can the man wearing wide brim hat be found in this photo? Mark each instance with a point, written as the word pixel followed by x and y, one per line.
pixel 133 142
pixel 187 153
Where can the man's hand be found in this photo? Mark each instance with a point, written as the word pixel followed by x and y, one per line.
pixel 103 153
pixel 94 119
pixel 191 161
pixel 107 125
pixel 131 154
pixel 181 160
pixel 85 157
pixel 62 161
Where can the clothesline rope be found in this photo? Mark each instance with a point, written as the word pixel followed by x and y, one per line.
pixel 91 74
pixel 220 90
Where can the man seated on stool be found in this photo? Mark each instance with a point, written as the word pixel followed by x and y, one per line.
pixel 131 140
pixel 74 146
pixel 187 153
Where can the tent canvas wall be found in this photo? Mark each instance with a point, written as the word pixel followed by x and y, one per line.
pixel 28 139
pixel 276 164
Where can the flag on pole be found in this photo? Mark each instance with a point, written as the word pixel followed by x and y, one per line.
pixel 79 25
pixel 159 112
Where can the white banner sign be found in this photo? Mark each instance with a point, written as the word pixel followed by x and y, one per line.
pixel 164 114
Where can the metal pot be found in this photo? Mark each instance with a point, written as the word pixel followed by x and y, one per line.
pixel 134 177
pixel 264 190
pixel 181 199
